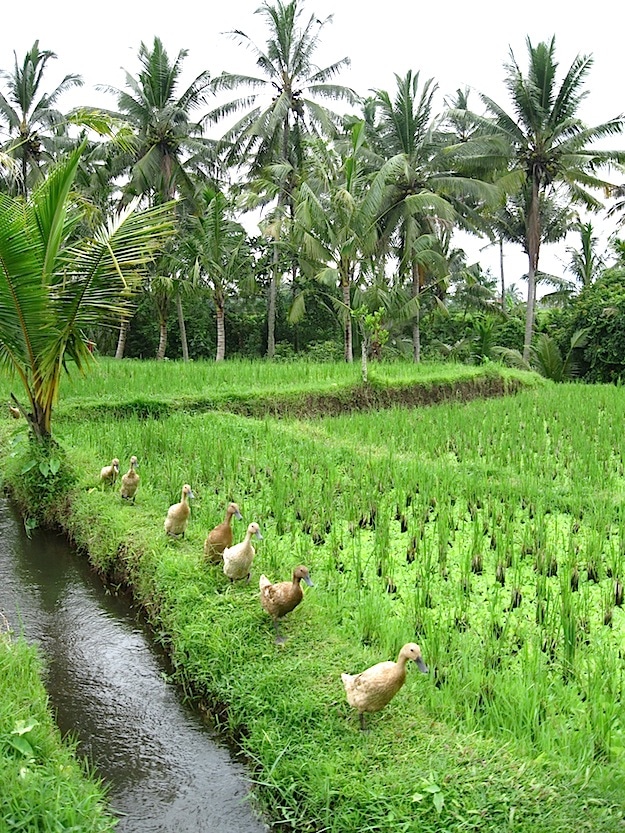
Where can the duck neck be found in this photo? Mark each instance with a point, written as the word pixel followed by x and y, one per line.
pixel 401 662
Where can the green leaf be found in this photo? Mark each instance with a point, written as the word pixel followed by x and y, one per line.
pixel 22 745
pixel 55 464
pixel 22 728
pixel 438 800
pixel 44 468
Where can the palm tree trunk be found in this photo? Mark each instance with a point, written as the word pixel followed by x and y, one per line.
pixel 416 340
pixel 162 341
pixel 183 329
pixel 221 330
pixel 416 327
pixel 121 340
pixel 24 188
pixel 533 247
pixel 271 304
pixel 293 296
pixel 348 336
pixel 503 285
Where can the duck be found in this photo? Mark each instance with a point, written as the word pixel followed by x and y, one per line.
pixel 238 559
pixel 108 474
pixel 220 537
pixel 375 687
pixel 283 597
pixel 130 481
pixel 178 514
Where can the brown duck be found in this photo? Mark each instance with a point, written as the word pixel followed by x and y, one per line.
pixel 220 537
pixel 178 514
pixel 283 597
pixel 130 481
pixel 374 688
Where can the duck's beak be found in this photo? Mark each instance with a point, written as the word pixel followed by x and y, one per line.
pixel 422 666
pixel 308 581
pixel 238 516
pixel 258 535
pixel 192 495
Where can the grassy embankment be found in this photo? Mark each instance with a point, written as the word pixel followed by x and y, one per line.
pixel 490 532
pixel 42 787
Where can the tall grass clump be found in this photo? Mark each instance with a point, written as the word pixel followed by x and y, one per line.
pixel 43 786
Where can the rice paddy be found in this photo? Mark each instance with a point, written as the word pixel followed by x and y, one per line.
pixel 491 532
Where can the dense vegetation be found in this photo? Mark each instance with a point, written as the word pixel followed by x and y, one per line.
pixel 501 556
pixel 360 197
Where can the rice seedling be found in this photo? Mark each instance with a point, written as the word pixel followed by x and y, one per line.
pixel 488 532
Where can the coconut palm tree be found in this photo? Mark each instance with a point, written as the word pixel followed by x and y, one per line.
pixel 550 144
pixel 169 145
pixel 282 106
pixel 216 249
pixel 586 264
pixel 337 206
pixel 54 284
pixel 30 116
pixel 426 195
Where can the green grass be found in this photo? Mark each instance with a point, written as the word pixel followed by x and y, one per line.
pixel 43 788
pixel 416 524
pixel 156 388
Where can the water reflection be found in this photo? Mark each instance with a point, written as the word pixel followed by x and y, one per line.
pixel 106 683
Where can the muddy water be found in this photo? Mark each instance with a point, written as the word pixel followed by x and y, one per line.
pixel 165 769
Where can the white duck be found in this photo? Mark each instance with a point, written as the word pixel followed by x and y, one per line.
pixel 372 689
pixel 108 474
pixel 238 559
pixel 178 514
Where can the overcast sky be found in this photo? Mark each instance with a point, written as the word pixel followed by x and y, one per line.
pixel 458 43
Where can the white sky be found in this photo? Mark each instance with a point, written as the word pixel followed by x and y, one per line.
pixel 459 43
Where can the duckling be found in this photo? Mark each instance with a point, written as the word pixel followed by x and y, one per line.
pixel 372 689
pixel 221 536
pixel 238 559
pixel 178 514
pixel 130 481
pixel 108 474
pixel 283 597
pixel 15 412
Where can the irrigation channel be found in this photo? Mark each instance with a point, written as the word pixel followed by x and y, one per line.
pixel 106 680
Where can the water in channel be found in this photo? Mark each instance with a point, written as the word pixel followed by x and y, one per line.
pixel 165 769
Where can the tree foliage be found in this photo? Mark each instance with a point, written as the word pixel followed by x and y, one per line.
pixel 54 285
